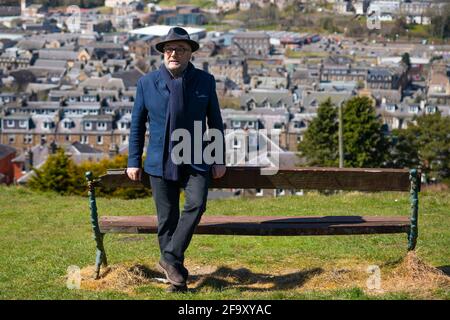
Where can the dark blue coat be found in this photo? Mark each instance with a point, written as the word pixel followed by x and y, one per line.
pixel 152 96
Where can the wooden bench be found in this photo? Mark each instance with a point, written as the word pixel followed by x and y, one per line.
pixel 251 178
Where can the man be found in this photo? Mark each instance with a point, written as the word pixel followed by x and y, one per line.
pixel 177 96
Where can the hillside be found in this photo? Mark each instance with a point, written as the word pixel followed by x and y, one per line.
pixel 43 234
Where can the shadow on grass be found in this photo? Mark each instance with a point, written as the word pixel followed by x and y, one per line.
pixel 244 279
pixel 241 279
pixel 445 269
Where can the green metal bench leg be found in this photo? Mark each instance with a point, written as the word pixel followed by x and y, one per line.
pixel 98 236
pixel 100 256
pixel 414 199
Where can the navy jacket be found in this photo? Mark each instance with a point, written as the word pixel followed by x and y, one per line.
pixel 150 105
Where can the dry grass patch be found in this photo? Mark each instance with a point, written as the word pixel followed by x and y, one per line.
pixel 409 275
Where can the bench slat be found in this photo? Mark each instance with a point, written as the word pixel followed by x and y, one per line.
pixel 264 225
pixel 365 179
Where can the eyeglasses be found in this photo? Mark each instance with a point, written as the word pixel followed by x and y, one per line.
pixel 180 51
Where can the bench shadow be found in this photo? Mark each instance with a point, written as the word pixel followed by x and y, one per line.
pixel 242 278
pixel 445 269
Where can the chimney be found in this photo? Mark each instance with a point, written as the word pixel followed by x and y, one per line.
pixel 113 150
pixel 28 163
pixel 52 147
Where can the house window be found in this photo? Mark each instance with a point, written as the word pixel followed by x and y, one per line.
pixel 10 123
pixel 67 125
pixel 68 137
pixel 250 124
pixel 235 124
pixel 88 126
pixel 101 126
pixel 277 125
pixel 124 138
pixel 28 139
pixel 22 123
pixel 298 124
pixel 84 140
pixel 391 108
pixel 413 109
pixel 236 143
pixel 99 139
pixel 431 109
pixel 259 192
pixel 11 138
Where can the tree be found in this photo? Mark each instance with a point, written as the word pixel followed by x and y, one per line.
pixel 406 59
pixel 440 22
pixel 364 141
pixel 424 144
pixel 55 175
pixel 403 149
pixel 320 143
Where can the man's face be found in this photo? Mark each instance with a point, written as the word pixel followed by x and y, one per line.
pixel 176 56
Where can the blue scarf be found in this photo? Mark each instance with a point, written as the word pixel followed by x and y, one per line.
pixel 175 116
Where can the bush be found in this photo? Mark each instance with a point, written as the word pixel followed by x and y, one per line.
pixel 60 174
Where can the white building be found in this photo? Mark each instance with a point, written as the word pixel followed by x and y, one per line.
pixel 162 30
pixel 384 6
pixel 117 3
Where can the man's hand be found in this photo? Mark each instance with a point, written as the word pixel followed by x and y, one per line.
pixel 134 173
pixel 218 171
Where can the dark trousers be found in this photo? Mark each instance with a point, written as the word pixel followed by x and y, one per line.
pixel 174 230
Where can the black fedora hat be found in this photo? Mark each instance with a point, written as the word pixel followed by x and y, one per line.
pixel 177 34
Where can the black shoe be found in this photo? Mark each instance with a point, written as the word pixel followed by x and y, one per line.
pixel 172 274
pixel 184 272
pixel 175 289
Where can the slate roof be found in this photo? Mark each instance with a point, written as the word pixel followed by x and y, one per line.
pixel 85 148
pixel 47 63
pixel 58 54
pixel 6 150
pixel 129 77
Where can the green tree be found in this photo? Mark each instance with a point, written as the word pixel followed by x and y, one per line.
pixel 320 142
pixel 61 175
pixel 440 22
pixel 424 144
pixel 406 59
pixel 364 141
pixel 328 24
pixel 55 175
pixel 403 149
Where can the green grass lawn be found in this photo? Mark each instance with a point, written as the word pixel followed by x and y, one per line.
pixel 43 234
pixel 199 3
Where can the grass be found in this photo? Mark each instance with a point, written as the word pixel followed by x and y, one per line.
pixel 43 234
pixel 199 3
pixel 304 54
